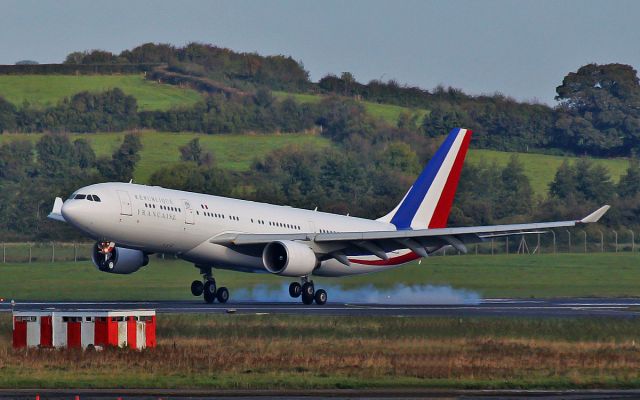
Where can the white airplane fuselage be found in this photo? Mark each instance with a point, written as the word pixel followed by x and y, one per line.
pixel 158 220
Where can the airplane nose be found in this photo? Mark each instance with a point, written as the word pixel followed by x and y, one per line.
pixel 71 211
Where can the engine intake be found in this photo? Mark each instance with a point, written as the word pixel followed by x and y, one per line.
pixel 107 257
pixel 289 258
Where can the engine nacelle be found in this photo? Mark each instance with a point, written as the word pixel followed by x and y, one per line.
pixel 117 260
pixel 288 258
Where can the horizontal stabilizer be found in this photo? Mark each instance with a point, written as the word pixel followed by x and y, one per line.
pixel 596 215
pixel 56 212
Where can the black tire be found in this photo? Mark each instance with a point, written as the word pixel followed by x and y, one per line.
pixel 197 287
pixel 295 290
pixel 320 297
pixel 307 293
pixel 222 295
pixel 209 291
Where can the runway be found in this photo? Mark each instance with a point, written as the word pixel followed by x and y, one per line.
pixel 562 307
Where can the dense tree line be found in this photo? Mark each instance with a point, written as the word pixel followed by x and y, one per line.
pixel 31 176
pixel 114 111
pixel 598 114
pixel 278 72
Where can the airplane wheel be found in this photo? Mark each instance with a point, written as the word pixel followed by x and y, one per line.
pixel 210 291
pixel 295 290
pixel 197 287
pixel 320 297
pixel 222 295
pixel 307 293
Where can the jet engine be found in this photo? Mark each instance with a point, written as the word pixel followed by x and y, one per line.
pixel 107 257
pixel 288 258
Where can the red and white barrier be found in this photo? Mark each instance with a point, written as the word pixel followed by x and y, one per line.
pixel 135 329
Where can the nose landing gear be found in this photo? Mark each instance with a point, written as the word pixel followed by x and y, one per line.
pixel 307 292
pixel 207 288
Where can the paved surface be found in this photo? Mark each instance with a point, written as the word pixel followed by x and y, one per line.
pixel 139 394
pixel 567 307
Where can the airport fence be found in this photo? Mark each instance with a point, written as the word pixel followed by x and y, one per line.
pixel 554 241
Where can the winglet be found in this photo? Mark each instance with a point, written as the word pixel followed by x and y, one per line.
pixel 595 216
pixel 56 212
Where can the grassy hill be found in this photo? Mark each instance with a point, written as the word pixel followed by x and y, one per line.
pixel 47 90
pixel 388 112
pixel 235 152
pixel 541 168
pixel 232 151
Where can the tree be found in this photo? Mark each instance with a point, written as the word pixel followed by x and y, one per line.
pixel 515 196
pixel 593 181
pixel 16 160
pixel 194 178
pixel 7 116
pixel 193 152
pixel 84 154
pixel 629 184
pixel 564 184
pixel 123 160
pixel 442 118
pixel 600 110
pixel 56 156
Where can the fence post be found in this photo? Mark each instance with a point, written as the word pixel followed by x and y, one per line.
pixel 476 249
pixel 30 244
pixel 616 236
pixel 569 233
pixel 538 245
pixel 75 252
pixel 554 240
pixel 633 242
pixel 53 252
pixel 585 240
pixel 491 246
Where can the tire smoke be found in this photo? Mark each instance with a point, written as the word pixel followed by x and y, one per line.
pixel 398 294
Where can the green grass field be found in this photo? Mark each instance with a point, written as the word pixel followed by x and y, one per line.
pixel 541 168
pixel 388 112
pixel 307 352
pixel 47 90
pixel 522 276
pixel 235 152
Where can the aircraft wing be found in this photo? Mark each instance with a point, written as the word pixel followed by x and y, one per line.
pixel 334 245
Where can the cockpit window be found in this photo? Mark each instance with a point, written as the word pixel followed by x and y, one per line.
pixel 96 198
pixel 80 196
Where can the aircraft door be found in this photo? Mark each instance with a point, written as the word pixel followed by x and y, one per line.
pixel 312 227
pixel 188 212
pixel 125 203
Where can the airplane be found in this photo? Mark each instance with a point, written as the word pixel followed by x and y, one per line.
pixel 130 221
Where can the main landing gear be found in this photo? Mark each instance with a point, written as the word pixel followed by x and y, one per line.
pixel 207 288
pixel 307 291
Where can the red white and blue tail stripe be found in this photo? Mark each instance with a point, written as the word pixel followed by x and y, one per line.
pixel 428 202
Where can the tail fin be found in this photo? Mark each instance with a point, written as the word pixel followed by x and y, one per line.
pixel 428 202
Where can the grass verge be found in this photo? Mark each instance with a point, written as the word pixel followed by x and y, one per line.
pixel 521 276
pixel 286 352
